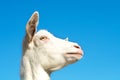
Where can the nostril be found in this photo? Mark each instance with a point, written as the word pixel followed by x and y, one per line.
pixel 76 46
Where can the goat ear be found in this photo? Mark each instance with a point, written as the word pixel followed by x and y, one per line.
pixel 31 26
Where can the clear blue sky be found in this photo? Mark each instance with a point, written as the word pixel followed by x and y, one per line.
pixel 94 24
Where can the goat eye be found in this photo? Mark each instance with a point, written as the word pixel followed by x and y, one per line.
pixel 43 37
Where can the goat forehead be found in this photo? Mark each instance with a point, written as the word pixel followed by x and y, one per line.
pixel 44 32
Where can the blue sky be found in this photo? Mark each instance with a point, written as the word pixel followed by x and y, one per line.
pixel 94 24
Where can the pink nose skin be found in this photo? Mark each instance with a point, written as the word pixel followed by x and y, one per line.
pixel 79 50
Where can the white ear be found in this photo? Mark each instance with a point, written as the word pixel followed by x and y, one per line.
pixel 31 26
pixel 66 39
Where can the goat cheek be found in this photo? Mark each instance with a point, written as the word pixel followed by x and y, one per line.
pixel 35 43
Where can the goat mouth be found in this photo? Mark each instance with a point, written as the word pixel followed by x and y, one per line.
pixel 74 54
pixel 72 57
pixel 77 54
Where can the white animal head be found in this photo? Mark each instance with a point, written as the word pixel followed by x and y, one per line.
pixel 50 52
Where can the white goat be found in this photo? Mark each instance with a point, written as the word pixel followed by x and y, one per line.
pixel 44 53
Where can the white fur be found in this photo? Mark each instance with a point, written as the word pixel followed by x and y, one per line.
pixel 44 53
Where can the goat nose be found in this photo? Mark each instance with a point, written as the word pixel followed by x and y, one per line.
pixel 76 46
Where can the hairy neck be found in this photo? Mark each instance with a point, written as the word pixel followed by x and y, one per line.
pixel 33 73
pixel 39 73
pixel 31 70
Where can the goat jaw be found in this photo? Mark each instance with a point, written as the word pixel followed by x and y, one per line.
pixel 72 57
